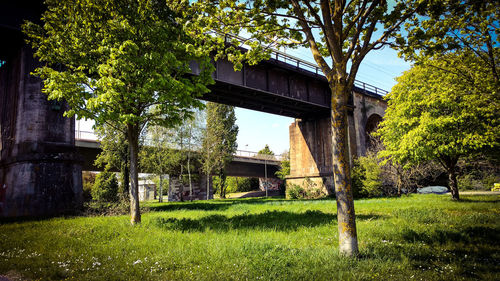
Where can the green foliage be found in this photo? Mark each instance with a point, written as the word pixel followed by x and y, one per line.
pixel 118 58
pixel 219 142
pixel 238 184
pixel 105 188
pixel 307 190
pixel 266 151
pixel 435 114
pixel 477 177
pixel 160 154
pixel 284 169
pixel 88 180
pixel 367 177
pixel 449 26
pixel 295 191
pixel 115 152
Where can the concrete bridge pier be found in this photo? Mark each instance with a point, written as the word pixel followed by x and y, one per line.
pixel 40 172
pixel 311 141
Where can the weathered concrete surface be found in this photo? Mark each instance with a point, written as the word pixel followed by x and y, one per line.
pixel 40 173
pixel 368 112
pixel 310 142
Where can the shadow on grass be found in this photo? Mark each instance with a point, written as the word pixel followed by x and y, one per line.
pixel 275 220
pixel 466 235
pixel 478 199
pixel 221 204
pixel 213 206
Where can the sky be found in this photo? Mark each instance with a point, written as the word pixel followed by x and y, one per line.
pixel 256 129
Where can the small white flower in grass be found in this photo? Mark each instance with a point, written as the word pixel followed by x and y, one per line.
pixel 136 262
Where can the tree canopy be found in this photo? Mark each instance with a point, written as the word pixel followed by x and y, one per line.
pixel 266 151
pixel 434 114
pixel 448 26
pixel 114 60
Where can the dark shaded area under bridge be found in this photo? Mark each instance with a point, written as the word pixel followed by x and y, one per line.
pixel 241 166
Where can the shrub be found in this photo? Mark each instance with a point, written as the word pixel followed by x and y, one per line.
pixel 366 176
pixel 105 188
pixel 308 190
pixel 295 191
pixel 88 180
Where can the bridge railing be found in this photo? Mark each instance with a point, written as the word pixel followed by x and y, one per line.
pixel 306 65
pixel 85 135
pixel 256 155
pixel 91 136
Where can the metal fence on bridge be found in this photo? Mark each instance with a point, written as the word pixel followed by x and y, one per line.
pixel 81 135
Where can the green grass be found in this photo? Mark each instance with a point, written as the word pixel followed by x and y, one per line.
pixel 421 237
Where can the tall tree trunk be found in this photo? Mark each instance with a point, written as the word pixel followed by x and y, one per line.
pixel 189 163
pixel 125 174
pixel 133 139
pixel 348 241
pixel 160 196
pixel 208 186
pixel 222 177
pixel 169 196
pixel 452 178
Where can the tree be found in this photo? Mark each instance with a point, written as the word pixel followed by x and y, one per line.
pixel 114 153
pixel 105 188
pixel 449 26
pixel 159 154
pixel 219 143
pixel 437 115
pixel 113 60
pixel 339 34
pixel 266 151
pixel 189 139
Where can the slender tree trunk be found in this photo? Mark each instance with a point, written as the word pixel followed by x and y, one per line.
pixel 222 185
pixel 188 165
pixel 124 171
pixel 399 181
pixel 169 196
pixel 208 186
pixel 452 179
pixel 133 139
pixel 348 241
pixel 160 196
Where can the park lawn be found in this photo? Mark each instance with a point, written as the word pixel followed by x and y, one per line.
pixel 419 237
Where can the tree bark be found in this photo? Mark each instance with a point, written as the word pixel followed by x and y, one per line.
pixel 189 163
pixel 133 138
pixel 160 195
pixel 208 186
pixel 124 171
pixel 222 177
pixel 348 241
pixel 452 180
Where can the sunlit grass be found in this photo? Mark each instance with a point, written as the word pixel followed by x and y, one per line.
pixel 421 237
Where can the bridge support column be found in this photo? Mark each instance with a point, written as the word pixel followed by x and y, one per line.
pixel 40 172
pixel 311 154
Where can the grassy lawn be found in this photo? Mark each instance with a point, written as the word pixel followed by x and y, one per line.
pixel 421 237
